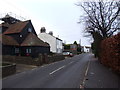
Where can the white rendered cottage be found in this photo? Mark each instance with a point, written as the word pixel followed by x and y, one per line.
pixel 54 42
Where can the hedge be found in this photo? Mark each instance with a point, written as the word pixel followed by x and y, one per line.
pixel 110 52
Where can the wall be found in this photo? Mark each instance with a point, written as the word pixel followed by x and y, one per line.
pixel 55 58
pixel 59 46
pixel 33 61
pixel 51 40
pixel 8 50
pixel 8 70
pixel 35 50
pixel 110 52
pixel 21 60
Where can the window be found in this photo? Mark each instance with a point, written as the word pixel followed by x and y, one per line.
pixel 20 35
pixel 16 50
pixel 29 30
pixel 0 29
pixel 28 50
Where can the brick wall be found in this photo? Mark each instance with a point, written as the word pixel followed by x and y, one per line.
pixel 110 52
pixel 55 58
pixel 8 70
pixel 22 60
pixel 42 59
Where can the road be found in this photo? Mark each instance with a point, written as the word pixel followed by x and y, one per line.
pixel 68 73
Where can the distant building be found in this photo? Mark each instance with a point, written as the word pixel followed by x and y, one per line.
pixel 20 38
pixel 85 48
pixel 54 42
pixel 73 48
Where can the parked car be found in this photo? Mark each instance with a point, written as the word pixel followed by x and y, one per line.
pixel 68 54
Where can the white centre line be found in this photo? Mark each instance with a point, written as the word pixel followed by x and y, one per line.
pixel 57 70
pixel 71 62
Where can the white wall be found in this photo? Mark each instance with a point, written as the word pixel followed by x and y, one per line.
pixel 50 40
pixel 55 44
pixel 86 49
pixel 59 46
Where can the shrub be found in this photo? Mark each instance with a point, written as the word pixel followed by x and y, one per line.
pixel 110 52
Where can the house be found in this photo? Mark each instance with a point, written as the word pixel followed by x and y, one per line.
pixel 86 48
pixel 73 48
pixel 54 42
pixel 9 45
pixel 20 38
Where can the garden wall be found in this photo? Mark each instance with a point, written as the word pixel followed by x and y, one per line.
pixel 55 58
pixel 8 70
pixel 110 52
pixel 42 59
pixel 21 60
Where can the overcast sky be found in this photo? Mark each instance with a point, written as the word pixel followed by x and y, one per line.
pixel 59 16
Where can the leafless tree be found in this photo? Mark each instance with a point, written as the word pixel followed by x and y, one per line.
pixel 101 20
pixel 101 17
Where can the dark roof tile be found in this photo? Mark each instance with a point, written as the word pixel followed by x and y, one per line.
pixel 7 40
pixel 16 28
pixel 33 40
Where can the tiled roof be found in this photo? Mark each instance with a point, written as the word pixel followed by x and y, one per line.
pixel 33 40
pixel 7 40
pixel 4 25
pixel 16 28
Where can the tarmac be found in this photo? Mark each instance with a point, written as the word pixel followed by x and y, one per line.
pixel 99 76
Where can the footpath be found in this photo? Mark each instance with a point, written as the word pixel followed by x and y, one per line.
pixel 99 76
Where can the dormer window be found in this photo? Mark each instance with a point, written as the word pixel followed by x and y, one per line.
pixel 20 35
pixel 29 30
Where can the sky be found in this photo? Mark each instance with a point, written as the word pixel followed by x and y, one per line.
pixel 59 16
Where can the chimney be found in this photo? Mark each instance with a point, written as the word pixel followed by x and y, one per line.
pixel 51 33
pixel 42 30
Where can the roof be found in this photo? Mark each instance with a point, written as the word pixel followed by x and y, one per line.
pixel 58 39
pixel 51 36
pixel 16 28
pixel 4 25
pixel 7 40
pixel 33 40
pixel 87 46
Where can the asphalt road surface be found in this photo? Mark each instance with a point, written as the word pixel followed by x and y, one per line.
pixel 68 73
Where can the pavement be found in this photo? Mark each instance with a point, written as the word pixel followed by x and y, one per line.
pixel 23 67
pixel 99 76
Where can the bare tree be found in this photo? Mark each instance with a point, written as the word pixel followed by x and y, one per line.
pixel 101 20
pixel 101 17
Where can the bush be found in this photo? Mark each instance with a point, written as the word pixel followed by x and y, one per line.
pixel 110 52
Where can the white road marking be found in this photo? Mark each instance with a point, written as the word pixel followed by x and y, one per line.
pixel 86 72
pixel 57 70
pixel 70 63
